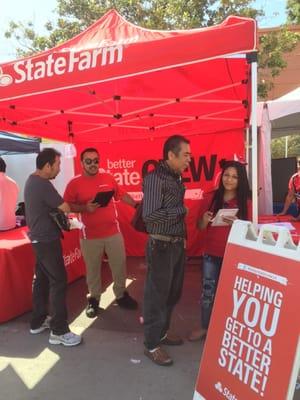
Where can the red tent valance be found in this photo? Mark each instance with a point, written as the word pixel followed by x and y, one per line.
pixel 117 81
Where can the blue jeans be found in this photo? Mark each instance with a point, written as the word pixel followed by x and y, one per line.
pixel 163 287
pixel 210 277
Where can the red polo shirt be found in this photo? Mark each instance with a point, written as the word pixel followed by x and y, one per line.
pixel 294 185
pixel 216 237
pixel 103 222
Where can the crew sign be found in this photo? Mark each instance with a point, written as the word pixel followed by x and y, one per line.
pixel 252 348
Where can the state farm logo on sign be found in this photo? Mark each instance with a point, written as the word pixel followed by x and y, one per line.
pixel 72 256
pixel 56 64
pixel 225 391
pixel 218 387
pixel 5 79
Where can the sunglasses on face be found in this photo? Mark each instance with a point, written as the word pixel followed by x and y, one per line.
pixel 89 161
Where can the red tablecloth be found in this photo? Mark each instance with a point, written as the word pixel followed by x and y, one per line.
pixel 17 266
pixel 267 219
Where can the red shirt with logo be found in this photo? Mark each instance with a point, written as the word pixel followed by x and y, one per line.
pixel 294 185
pixel 103 222
pixel 215 237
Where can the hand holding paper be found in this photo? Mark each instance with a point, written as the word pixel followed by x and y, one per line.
pixel 229 219
pixel 75 223
pixel 207 217
pixel 225 216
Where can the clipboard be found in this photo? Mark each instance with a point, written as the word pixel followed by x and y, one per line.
pixel 103 198
pixel 223 212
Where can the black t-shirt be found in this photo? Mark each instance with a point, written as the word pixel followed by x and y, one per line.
pixel 40 198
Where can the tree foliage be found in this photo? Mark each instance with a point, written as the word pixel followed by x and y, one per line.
pixel 271 62
pixel 293 11
pixel 76 15
pixel 278 146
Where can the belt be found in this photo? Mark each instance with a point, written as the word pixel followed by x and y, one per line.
pixel 166 238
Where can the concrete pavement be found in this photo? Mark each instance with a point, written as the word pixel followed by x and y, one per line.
pixel 110 363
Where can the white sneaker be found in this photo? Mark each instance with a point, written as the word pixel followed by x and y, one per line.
pixel 45 325
pixel 67 339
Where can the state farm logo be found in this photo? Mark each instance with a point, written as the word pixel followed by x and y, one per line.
pixel 72 256
pixel 225 391
pixel 218 387
pixel 56 64
pixel 5 79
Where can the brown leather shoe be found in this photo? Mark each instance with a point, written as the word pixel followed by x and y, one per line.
pixel 171 340
pixel 159 356
pixel 197 334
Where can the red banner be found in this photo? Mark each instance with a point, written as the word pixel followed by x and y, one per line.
pixel 17 263
pixel 252 347
pixel 130 162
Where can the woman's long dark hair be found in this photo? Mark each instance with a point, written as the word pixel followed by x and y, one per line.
pixel 243 190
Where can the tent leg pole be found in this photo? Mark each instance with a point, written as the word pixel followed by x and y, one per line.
pixel 254 141
pixel 247 146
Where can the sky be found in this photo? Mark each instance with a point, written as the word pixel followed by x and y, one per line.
pixel 40 12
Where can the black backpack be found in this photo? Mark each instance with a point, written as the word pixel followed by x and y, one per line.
pixel 137 221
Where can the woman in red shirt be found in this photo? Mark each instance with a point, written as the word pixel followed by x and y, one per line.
pixel 233 192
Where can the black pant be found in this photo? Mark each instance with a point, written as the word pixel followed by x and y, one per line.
pixel 49 282
pixel 163 287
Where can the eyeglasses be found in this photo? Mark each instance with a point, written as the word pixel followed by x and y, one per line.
pixel 89 161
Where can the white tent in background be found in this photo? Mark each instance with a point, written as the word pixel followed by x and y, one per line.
pixel 276 118
pixel 284 114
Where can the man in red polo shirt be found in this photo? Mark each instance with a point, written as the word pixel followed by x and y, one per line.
pixel 293 193
pixel 101 231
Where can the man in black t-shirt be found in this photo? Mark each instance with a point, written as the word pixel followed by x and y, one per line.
pixel 50 279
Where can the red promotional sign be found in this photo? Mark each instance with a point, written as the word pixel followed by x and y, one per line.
pixel 73 259
pixel 252 347
pixel 131 161
pixel 17 267
pixel 129 164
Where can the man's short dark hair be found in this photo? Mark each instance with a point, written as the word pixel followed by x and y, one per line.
pixel 173 143
pixel 88 150
pixel 47 155
pixel 2 165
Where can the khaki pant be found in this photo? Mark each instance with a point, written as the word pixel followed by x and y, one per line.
pixel 92 251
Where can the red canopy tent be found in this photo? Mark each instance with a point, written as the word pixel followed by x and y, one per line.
pixel 117 83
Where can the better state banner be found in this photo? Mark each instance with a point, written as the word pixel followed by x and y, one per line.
pixel 252 347
pixel 132 161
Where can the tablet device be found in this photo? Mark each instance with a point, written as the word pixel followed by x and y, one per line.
pixel 103 198
pixel 223 212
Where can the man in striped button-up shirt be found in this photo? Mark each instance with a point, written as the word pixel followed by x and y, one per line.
pixel 164 213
